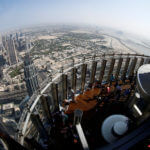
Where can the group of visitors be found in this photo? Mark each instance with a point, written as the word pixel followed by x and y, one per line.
pixel 114 90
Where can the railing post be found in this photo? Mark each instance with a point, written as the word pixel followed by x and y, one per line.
pixel 118 68
pixel 54 90
pixel 126 67
pixel 83 76
pixel 102 70
pixel 46 108
pixel 93 72
pixel 77 116
pixel 74 79
pixel 133 64
pixel 64 86
pixel 111 68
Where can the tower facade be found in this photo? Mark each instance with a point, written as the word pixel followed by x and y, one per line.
pixel 30 74
pixel 11 51
pixel 1 72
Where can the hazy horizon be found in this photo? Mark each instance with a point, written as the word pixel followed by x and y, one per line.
pixel 131 16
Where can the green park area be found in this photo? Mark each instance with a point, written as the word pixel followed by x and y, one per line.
pixel 16 71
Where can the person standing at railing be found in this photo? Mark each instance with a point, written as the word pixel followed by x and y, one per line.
pixel 112 79
pixel 71 95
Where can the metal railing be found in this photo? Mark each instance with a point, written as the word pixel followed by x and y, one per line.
pixel 68 64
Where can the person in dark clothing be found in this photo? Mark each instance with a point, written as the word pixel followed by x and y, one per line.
pixel 103 92
pixel 126 92
pixel 90 85
pixel 106 99
pixel 98 85
pixel 118 92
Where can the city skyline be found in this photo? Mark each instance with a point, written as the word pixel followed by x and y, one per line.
pixel 131 16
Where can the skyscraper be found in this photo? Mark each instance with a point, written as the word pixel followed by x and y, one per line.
pixel 30 74
pixel 4 43
pixel 1 73
pixel 11 51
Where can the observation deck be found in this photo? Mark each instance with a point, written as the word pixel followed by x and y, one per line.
pixel 99 86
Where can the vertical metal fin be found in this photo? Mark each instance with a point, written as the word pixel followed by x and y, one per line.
pixel 83 76
pixel 38 125
pixel 125 68
pixel 54 90
pixel 74 79
pixel 93 72
pixel 103 66
pixel 46 108
pixel 133 64
pixel 111 68
pixel 118 68
pixel 64 86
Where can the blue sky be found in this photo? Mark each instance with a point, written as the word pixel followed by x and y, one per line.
pixel 129 15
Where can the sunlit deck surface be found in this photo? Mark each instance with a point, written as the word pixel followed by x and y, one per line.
pixel 87 101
